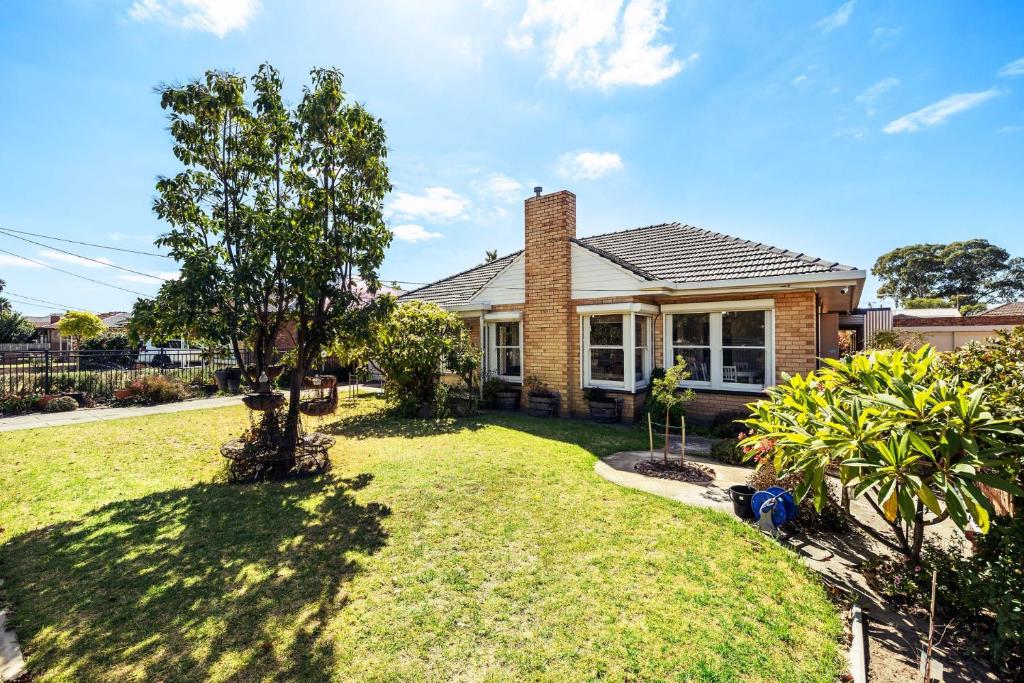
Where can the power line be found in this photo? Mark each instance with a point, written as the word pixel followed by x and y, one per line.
pixel 46 301
pixel 68 272
pixel 4 231
pixel 88 244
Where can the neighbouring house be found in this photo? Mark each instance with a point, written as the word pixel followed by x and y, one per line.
pixel 1011 308
pixel 949 333
pixel 603 311
pixel 929 312
pixel 48 336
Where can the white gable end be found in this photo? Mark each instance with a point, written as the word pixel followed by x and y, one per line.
pixel 594 277
pixel 507 287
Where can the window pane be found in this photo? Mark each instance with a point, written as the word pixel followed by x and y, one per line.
pixel 606 330
pixel 743 366
pixel 698 362
pixel 508 362
pixel 608 365
pixel 640 332
pixel 638 369
pixel 691 329
pixel 506 334
pixel 743 328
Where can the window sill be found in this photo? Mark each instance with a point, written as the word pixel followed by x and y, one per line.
pixel 725 392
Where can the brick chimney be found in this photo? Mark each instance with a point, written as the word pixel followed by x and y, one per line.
pixel 550 224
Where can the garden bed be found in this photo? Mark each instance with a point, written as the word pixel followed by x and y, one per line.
pixel 692 472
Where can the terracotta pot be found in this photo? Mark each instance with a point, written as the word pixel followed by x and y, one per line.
pixel 44 399
pixel 123 394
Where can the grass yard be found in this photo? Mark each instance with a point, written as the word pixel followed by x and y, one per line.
pixel 481 550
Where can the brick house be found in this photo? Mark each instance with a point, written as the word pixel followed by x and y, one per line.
pixel 48 334
pixel 603 311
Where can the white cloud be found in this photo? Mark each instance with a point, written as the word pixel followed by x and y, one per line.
pixel 838 19
pixel 935 114
pixel 436 204
pixel 75 260
pixel 500 186
pixel 1014 68
pixel 410 232
pixel 600 43
pixel 588 165
pixel 215 16
pixel 877 90
pixel 1010 129
pixel 799 80
pixel 17 261
pixel 853 133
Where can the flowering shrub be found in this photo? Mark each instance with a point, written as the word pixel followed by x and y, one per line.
pixel 904 433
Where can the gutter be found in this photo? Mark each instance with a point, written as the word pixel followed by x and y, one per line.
pixel 850 278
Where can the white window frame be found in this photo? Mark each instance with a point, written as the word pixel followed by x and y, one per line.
pixel 629 312
pixel 491 320
pixel 715 309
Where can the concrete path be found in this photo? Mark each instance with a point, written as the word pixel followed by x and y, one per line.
pixel 40 420
pixel 12 663
pixel 895 635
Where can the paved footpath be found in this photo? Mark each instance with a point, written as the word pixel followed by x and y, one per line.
pixel 38 420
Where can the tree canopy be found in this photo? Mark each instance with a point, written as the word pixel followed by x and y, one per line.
pixel 963 273
pixel 276 219
pixel 81 325
pixel 14 329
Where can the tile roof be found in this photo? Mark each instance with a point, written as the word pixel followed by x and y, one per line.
pixel 667 251
pixel 683 253
pixel 1012 308
pixel 460 288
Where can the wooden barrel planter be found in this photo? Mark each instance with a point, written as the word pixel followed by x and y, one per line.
pixel 605 411
pixel 507 400
pixel 543 405
pixel 263 402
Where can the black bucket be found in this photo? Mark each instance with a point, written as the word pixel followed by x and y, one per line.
pixel 741 496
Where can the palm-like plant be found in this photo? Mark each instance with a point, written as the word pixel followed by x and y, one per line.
pixel 906 433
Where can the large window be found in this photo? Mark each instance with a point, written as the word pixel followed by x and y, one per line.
pixel 727 348
pixel 616 346
pixel 505 350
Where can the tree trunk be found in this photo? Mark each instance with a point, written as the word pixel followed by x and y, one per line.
pixel 667 418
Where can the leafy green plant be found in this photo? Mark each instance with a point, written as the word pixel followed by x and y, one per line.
pixel 535 386
pixel 14 328
pixel 17 404
pixel 61 404
pixel 829 518
pixel 413 346
pixel 727 451
pixel 909 437
pixel 665 394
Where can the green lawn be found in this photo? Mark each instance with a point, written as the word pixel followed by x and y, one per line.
pixel 485 549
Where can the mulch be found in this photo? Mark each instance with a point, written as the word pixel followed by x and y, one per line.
pixel 692 472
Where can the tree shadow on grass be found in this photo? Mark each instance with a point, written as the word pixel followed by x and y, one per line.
pixel 382 424
pixel 238 581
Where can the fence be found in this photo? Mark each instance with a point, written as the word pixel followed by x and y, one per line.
pixel 99 373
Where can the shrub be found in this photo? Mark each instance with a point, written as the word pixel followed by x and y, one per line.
pixel 727 451
pixel 14 328
pixel 728 424
pixel 414 346
pixel 899 428
pixel 159 389
pixel 61 404
pixel 491 388
pixel 536 387
pixel 17 404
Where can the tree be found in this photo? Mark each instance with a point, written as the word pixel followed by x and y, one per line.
pixel 277 218
pixel 80 326
pixel 14 329
pixel 665 393
pixel 927 302
pixel 490 255
pixel 911 438
pixel 963 273
pixel 413 346
pixel 5 305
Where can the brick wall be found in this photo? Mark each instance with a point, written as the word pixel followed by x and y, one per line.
pixel 550 223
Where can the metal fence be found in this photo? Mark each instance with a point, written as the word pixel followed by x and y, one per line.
pixel 99 373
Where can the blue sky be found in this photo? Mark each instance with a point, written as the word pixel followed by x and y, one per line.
pixel 838 129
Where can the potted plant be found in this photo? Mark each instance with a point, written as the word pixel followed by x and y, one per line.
pixel 124 393
pixel 221 378
pixel 603 408
pixel 501 395
pixel 233 379
pixel 542 401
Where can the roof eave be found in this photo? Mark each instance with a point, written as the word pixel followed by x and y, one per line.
pixel 832 278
